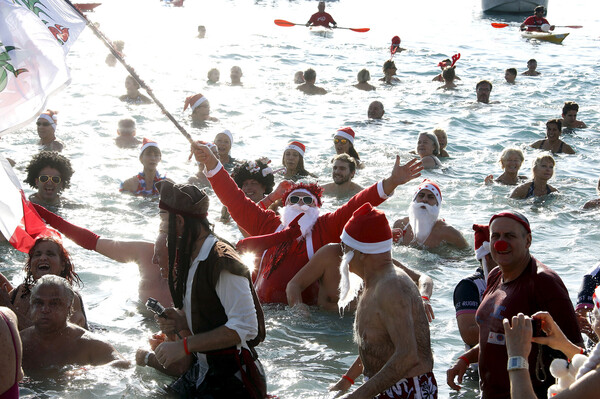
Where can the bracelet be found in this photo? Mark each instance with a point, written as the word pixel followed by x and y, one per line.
pixel 517 363
pixel 348 379
pixel 147 358
pixel 185 347
pixel 425 298
pixel 465 360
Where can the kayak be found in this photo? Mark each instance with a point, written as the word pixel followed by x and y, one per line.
pixel 321 31
pixel 85 7
pixel 545 36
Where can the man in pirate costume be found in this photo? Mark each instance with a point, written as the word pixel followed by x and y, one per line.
pixel 216 308
pixel 284 253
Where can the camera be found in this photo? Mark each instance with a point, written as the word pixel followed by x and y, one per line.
pixel 155 306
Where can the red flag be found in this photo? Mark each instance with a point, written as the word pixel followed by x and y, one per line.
pixel 19 221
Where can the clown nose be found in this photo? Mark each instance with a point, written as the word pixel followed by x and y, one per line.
pixel 500 245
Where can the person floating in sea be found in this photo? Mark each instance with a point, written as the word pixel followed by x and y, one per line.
pixel 569 116
pixel 344 167
pixel 133 95
pixel 363 78
pixel 46 128
pixel 308 87
pixel 200 107
pixel 118 45
pixel 595 203
pixel 443 64
pixel 531 68
pixel 321 18
pixel 428 149
pixel 375 110
pixel 543 170
pixel 236 76
pixel 510 75
pixel 389 72
pixel 224 142
pixel 552 142
pixel 535 22
pixel 150 156
pixel 50 173
pixel 126 134
pixel 449 76
pixel 299 77
pixel 213 76
pixel 395 47
pixel 201 31
pixel 511 160
pixel 483 90
pixel 343 142
pixel 443 141
pixel 293 160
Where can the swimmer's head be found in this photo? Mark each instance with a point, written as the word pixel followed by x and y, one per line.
pixel 310 76
pixel 126 127
pixel 363 76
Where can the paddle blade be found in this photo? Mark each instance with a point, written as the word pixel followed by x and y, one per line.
pixel 574 26
pixel 281 22
pixel 360 29
pixel 499 25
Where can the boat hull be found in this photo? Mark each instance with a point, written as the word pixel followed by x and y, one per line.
pixel 556 38
pixel 321 31
pixel 512 6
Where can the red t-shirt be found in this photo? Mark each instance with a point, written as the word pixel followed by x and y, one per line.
pixel 537 288
pixel 533 20
pixel 322 19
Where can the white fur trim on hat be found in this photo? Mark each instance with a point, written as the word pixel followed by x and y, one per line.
pixel 228 134
pixel 51 119
pixel 295 147
pixel 148 144
pixel 483 250
pixel 367 248
pixel 198 102
pixel 432 188
pixel 301 190
pixel 345 135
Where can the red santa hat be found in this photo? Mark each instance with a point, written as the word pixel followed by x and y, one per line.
pixel 194 101
pixel 368 231
pixel 312 189
pixel 431 186
pixel 395 44
pixel 347 133
pixel 51 117
pixel 298 146
pixel 147 143
pixel 482 240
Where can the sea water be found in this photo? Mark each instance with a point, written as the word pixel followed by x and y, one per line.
pixel 305 356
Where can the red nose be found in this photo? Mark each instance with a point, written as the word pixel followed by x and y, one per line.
pixel 500 245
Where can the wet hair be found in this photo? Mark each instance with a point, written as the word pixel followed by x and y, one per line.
pixel 532 60
pixel 127 122
pixel 201 28
pixel 211 71
pixel 512 71
pixel 363 76
pixel 50 280
pixel 482 82
pixel 434 139
pixel 310 74
pixel 52 159
pixel 346 158
pixel 388 65
pixel 68 272
pixel 449 73
pixel 242 172
pixel 236 68
pixel 557 122
pixel 376 103
pixel 541 159
pixel 570 106
pixel 135 83
pixel 511 151
pixel 300 167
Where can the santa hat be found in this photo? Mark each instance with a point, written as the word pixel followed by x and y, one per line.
pixel 147 143
pixel 347 133
pixel 312 189
pixel 194 101
pixel 482 240
pixel 298 146
pixel 51 117
pixel 516 216
pixel 368 231
pixel 228 134
pixel 431 186
pixel 395 44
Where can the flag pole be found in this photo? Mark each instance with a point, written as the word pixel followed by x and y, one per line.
pixel 131 71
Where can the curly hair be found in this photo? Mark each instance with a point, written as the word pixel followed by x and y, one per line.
pixel 52 159
pixel 68 272
pixel 242 172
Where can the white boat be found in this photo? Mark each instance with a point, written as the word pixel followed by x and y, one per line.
pixel 512 6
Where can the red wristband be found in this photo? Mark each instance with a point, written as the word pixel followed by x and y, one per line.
pixel 465 359
pixel 425 298
pixel 348 378
pixel 185 347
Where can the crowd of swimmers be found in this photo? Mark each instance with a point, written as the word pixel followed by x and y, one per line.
pixel 47 301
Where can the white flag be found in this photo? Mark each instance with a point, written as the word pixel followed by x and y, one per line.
pixel 35 37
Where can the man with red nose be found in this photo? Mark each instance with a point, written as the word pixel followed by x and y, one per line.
pixel 520 284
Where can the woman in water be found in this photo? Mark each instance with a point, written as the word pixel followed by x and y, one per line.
pixel 46 128
pixel 224 141
pixel 47 256
pixel 200 107
pixel 543 170
pixel 428 149
pixel 552 142
pixel 293 160
pixel 511 161
pixel 595 203
pixel 141 184
pixel 363 78
pixel 343 141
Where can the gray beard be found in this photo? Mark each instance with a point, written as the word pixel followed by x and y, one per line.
pixel 422 220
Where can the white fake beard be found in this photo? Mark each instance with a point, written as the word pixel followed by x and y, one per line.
pixel 422 217
pixel 350 283
pixel 306 222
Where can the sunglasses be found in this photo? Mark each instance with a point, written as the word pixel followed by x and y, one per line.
pixel 42 123
pixel 294 199
pixel 337 141
pixel 45 178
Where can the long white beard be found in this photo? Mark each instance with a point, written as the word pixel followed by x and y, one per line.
pixel 422 217
pixel 350 283
pixel 306 222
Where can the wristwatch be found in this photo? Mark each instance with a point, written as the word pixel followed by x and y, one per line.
pixel 517 363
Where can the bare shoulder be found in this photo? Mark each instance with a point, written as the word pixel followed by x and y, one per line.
pixel 131 184
pixel 552 189
pixel 537 144
pixel 520 191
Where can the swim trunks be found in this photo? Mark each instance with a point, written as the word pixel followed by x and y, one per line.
pixel 423 386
